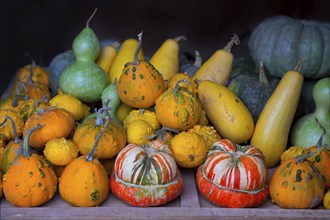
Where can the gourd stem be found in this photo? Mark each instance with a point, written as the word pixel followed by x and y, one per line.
pixel 198 59
pixel 99 119
pixel 176 88
pixel 89 157
pixel 304 157
pixel 233 41
pixel 319 143
pixel 90 18
pixel 179 38
pixel 22 85
pixel 262 74
pixel 142 110
pixel 16 140
pixel 4 122
pixel 30 78
pixel 300 64
pixel 161 133
pixel 136 60
pixel 26 152
pixel 33 63
pixel 37 103
pixel 116 44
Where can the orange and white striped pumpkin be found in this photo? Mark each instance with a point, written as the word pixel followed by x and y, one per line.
pixel 146 175
pixel 233 175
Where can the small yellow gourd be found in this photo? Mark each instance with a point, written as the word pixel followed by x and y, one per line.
pixel 209 134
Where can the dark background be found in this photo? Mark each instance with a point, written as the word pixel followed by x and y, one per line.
pixel 44 28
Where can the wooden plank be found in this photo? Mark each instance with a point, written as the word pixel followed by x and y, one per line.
pixel 188 197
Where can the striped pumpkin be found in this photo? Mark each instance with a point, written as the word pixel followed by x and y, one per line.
pixel 146 175
pixel 233 176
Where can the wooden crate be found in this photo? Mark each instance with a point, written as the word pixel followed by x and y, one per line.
pixel 190 205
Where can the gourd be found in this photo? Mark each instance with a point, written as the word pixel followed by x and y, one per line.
pixel 208 132
pixel 253 91
pixel 146 175
pixel 273 126
pixel 6 129
pixel 84 182
pixel 30 181
pixel 110 98
pixel 281 41
pixel 233 175
pixel 111 142
pixel 107 56
pixel 218 67
pixel 140 83
pixel 297 184
pixel 57 123
pixel 122 111
pixel 188 66
pixel 166 57
pixel 84 79
pixel 305 131
pixel 326 200
pixel 226 112
pixel 178 108
pixel 191 85
pixel 124 55
pixel 56 66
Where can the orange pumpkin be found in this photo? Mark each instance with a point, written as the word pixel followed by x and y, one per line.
pixel 6 128
pixel 84 182
pixel 30 181
pixel 140 84
pixel 57 123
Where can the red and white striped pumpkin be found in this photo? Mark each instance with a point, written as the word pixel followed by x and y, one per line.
pixel 233 175
pixel 146 175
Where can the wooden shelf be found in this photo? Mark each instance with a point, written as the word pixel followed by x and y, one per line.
pixel 190 205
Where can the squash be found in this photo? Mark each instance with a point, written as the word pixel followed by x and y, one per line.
pixel 218 67
pixel 178 108
pixel 281 41
pixel 107 55
pixel 297 184
pixel 57 123
pixel 191 85
pixel 233 176
pixel 326 200
pixel 140 83
pixel 226 112
pixel 56 66
pixel 273 126
pixel 6 128
pixel 146 175
pixel 209 134
pixel 166 57
pixel 84 182
pixel 30 181
pixel 124 55
pixel 305 131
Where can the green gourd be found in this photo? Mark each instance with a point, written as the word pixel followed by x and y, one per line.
pixel 190 67
pixel 84 79
pixel 305 132
pixel 110 98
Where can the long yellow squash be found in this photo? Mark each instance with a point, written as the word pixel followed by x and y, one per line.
pixel 226 112
pixel 274 123
pixel 107 56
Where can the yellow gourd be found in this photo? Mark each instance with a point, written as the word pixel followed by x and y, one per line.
pixel 124 55
pixel 273 126
pixel 107 56
pixel 166 58
pixel 227 113
pixel 122 111
pixel 218 67
pixel 326 200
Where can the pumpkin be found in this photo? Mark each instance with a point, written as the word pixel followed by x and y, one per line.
pixel 178 108
pixel 253 91
pixel 297 184
pixel 6 128
pixel 146 175
pixel 84 182
pixel 233 176
pixel 57 123
pixel 30 181
pixel 189 149
pixel 56 66
pixel 111 142
pixel 140 83
pixel 281 41
pixel 191 85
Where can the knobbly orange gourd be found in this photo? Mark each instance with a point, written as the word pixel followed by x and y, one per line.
pixel 140 83
pixel 178 108
pixel 84 182
pixel 191 85
pixel 57 123
pixel 6 128
pixel 111 142
pixel 30 181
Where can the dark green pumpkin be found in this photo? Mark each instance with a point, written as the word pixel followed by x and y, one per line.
pixel 281 41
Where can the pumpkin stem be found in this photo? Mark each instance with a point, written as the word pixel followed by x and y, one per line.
pixel 26 146
pixel 106 109
pixel 89 157
pixel 90 18
pixel 16 140
pixel 233 41
pixel 179 38
pixel 33 63
pixel 37 103
pixel 136 60
pixel 30 78
pixel 176 88
pixel 262 74
pixel 198 59
pixel 300 64
pixel 4 122
pixel 319 142
pixel 304 157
